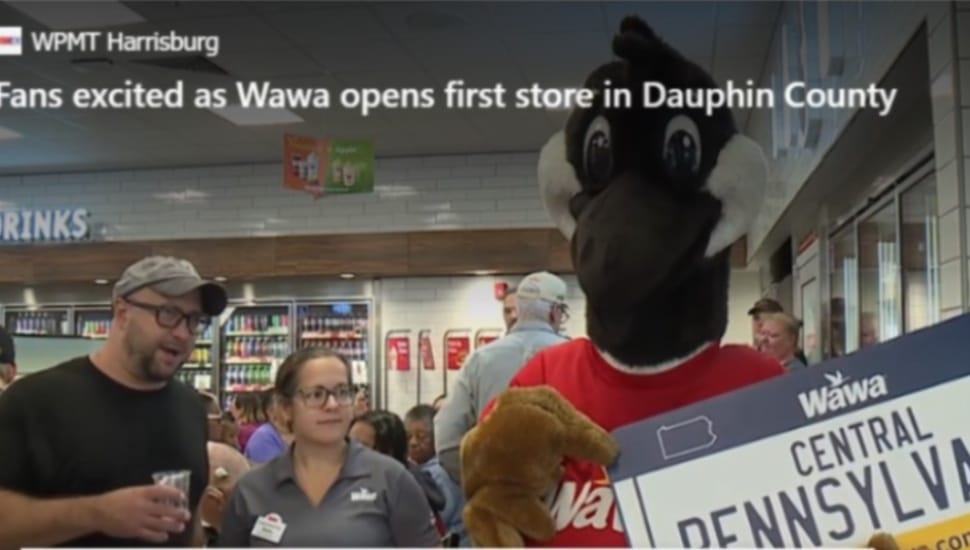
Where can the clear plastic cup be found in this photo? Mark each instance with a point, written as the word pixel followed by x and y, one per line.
pixel 180 479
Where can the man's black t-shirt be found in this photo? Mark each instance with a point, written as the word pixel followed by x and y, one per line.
pixel 73 431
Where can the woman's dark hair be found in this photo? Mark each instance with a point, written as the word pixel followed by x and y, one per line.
pixel 289 372
pixel 390 437
pixel 252 407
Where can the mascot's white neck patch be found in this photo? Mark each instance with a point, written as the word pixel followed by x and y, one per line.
pixel 646 370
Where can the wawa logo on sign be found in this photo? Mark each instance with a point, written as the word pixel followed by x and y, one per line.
pixel 11 40
pixel 841 393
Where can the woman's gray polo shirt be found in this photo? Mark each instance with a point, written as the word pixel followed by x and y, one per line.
pixel 375 502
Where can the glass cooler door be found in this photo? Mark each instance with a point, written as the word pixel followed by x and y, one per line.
pixel 255 340
pixel 341 326
pixel 92 323
pixel 37 322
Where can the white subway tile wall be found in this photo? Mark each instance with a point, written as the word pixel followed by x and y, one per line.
pixel 411 194
pixel 950 291
pixel 950 235
pixel 440 304
pixel 947 187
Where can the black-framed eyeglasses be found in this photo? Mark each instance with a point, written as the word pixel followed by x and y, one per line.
pixel 170 316
pixel 317 396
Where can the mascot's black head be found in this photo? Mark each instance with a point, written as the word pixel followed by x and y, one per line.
pixel 652 198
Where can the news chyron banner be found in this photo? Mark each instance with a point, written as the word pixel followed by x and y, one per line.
pixel 877 441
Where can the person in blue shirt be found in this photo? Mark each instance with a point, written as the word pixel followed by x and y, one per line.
pixel 419 423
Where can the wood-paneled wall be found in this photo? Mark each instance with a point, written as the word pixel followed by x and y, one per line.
pixel 420 253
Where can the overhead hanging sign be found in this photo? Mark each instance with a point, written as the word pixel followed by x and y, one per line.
pixel 33 226
pixel 827 456
pixel 328 166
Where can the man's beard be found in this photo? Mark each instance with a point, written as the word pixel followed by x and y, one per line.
pixel 143 360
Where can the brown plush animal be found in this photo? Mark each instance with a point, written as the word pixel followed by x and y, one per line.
pixel 532 429
pixel 529 433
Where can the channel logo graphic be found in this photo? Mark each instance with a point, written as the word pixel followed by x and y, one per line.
pixel 11 40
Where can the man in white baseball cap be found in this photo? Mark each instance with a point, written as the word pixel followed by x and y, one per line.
pixel 542 310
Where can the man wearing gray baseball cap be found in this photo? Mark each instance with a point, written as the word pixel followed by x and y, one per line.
pixel 81 442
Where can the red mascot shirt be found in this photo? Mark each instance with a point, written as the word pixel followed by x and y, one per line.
pixel 583 506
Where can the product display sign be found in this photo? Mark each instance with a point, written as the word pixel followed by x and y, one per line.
pixel 38 226
pixel 350 167
pixel 399 353
pixel 427 354
pixel 324 166
pixel 458 348
pixel 302 158
pixel 825 456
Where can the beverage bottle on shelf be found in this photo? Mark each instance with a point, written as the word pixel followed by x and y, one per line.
pixel 285 321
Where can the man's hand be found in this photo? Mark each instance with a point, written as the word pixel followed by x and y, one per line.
pixel 515 456
pixel 148 513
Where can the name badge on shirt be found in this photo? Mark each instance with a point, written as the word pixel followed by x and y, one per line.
pixel 269 528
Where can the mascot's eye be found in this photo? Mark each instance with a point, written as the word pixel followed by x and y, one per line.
pixel 682 147
pixel 597 153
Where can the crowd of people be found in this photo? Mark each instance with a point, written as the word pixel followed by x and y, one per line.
pixel 307 463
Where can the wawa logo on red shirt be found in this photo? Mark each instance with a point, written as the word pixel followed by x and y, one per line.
pixel 584 500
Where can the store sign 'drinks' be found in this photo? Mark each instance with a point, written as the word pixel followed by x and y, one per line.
pixel 38 226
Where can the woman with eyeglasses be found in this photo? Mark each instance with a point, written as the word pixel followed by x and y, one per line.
pixel 325 490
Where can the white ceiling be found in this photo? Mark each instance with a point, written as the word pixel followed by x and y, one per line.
pixel 337 45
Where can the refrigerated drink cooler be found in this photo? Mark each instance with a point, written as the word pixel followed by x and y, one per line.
pixel 342 326
pixel 92 323
pixel 39 322
pixel 198 370
pixel 255 340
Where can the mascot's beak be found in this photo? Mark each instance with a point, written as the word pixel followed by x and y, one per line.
pixel 639 235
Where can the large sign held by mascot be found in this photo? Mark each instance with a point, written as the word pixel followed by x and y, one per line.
pixel 878 440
